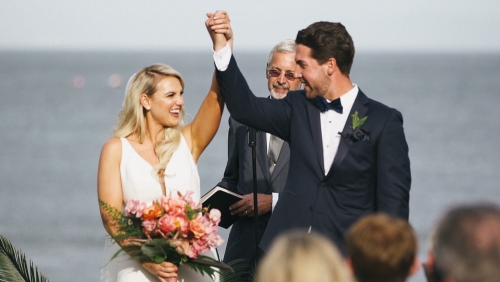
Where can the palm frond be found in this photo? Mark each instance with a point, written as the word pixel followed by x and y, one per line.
pixel 15 267
pixel 240 271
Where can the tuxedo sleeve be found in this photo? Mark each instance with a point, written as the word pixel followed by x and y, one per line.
pixel 393 169
pixel 231 173
pixel 268 115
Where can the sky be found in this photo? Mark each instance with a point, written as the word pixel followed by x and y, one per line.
pixel 392 25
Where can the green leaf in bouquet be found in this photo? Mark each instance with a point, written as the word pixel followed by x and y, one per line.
pixel 113 212
pixel 204 264
pixel 192 213
pixel 159 250
pixel 154 251
pixel 202 269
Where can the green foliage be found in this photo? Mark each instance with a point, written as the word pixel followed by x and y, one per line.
pixel 356 121
pixel 240 272
pixel 159 250
pixel 201 268
pixel 14 267
pixel 192 213
pixel 127 230
pixel 115 214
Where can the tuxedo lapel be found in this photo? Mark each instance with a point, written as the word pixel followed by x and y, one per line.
pixel 315 124
pixel 360 105
pixel 261 152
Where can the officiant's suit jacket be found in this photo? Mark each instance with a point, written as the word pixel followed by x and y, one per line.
pixel 365 177
pixel 238 177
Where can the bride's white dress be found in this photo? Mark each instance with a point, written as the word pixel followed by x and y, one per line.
pixel 138 182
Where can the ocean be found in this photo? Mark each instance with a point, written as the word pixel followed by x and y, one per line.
pixel 58 108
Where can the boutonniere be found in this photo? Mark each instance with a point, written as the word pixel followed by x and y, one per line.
pixel 357 133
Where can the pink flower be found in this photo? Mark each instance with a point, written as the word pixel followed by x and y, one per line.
pixel 169 224
pixel 215 216
pixel 134 207
pixel 214 240
pixel 149 225
pixel 197 227
pixel 187 198
pixel 166 224
pixel 197 248
pixel 173 205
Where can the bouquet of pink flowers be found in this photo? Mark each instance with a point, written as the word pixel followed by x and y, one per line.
pixel 173 229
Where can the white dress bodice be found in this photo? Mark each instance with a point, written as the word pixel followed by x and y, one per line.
pixel 139 183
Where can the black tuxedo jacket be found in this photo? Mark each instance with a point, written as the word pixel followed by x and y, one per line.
pixel 238 177
pixel 365 177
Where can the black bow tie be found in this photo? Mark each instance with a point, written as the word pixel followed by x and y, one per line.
pixel 323 105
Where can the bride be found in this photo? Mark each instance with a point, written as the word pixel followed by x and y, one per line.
pixel 153 154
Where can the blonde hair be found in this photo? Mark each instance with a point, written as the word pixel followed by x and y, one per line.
pixel 299 256
pixel 132 115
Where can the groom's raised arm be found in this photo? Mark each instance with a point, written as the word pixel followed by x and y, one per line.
pixel 264 114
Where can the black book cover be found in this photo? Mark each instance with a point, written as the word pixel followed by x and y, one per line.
pixel 221 199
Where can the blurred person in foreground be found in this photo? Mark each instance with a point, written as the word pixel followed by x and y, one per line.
pixel 272 161
pixel 465 245
pixel 297 256
pixel 382 248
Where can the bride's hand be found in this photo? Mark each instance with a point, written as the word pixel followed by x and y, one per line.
pixel 218 23
pixel 165 271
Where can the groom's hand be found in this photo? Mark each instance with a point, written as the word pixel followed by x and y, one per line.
pixel 219 29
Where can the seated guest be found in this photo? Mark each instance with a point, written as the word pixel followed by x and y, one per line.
pixel 382 248
pixel 298 256
pixel 465 246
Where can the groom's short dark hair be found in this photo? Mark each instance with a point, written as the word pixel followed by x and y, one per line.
pixel 329 40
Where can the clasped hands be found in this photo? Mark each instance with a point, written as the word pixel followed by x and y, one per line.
pixel 219 29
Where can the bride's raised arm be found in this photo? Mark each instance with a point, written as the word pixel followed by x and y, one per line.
pixel 202 130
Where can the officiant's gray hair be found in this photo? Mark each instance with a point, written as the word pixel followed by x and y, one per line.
pixel 285 46
pixel 132 115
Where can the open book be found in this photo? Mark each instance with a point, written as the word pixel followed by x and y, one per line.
pixel 221 199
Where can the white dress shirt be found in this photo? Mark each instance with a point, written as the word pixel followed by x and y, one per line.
pixel 332 123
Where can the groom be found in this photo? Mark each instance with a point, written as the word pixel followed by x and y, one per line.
pixel 348 153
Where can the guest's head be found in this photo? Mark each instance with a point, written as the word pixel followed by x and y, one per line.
pixel 280 69
pixel 382 248
pixel 154 97
pixel 465 245
pixel 299 256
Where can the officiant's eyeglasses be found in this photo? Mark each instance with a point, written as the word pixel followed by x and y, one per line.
pixel 276 73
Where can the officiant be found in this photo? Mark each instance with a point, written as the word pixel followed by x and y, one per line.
pixel 272 155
